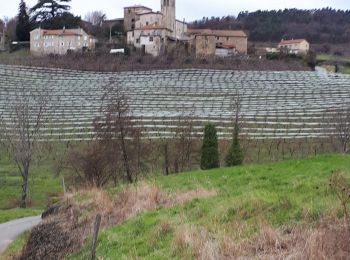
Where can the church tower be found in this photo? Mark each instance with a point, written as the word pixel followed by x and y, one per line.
pixel 169 16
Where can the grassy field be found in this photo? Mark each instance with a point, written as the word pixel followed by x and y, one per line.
pixel 280 196
pixel 41 183
pixel 17 54
pixel 328 57
pixel 345 68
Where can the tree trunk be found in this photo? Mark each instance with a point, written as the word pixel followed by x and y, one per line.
pixel 126 159
pixel 22 202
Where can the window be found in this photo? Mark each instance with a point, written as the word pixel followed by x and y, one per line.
pixel 146 23
pixel 62 43
pixel 132 20
pixel 227 38
pixel 137 40
pixel 85 38
pixel 129 11
pixel 151 39
pixel 218 38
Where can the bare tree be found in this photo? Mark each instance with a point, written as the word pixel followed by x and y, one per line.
pixel 184 142
pixel 10 28
pixel 21 124
pixel 117 128
pixel 339 123
pixel 93 165
pixel 96 18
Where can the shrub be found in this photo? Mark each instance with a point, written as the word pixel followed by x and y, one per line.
pixel 272 56
pixel 210 150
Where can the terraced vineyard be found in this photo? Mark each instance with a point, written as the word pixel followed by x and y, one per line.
pixel 274 104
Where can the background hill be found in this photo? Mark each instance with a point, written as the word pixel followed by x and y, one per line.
pixel 318 26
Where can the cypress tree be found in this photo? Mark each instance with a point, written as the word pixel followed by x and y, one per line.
pixel 23 26
pixel 234 156
pixel 210 150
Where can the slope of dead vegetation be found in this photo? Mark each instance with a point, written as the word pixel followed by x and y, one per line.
pixel 68 226
pixel 283 210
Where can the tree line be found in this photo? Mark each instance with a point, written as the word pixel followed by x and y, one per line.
pixel 325 25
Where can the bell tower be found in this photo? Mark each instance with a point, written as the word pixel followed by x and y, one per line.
pixel 169 14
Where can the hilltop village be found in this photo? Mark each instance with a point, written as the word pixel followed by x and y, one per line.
pixel 154 32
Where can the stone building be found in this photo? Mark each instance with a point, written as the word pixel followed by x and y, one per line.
pixel 205 45
pixel 219 42
pixel 153 31
pixel 132 15
pixel 43 42
pixel 298 46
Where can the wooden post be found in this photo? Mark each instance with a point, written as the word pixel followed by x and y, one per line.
pixel 64 188
pixel 94 236
pixel 166 159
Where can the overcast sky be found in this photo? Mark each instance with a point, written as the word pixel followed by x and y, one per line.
pixel 188 9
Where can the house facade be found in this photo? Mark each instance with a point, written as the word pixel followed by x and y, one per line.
pixel 44 42
pixel 219 42
pixel 298 46
pixel 152 31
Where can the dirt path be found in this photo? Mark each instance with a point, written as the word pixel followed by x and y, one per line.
pixel 9 231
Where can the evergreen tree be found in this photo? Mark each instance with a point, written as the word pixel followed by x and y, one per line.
pixel 210 150
pixel 23 25
pixel 47 9
pixel 235 154
pixel 67 20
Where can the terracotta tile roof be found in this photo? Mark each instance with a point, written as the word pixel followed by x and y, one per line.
pixel 218 33
pixel 138 6
pixel 296 41
pixel 61 32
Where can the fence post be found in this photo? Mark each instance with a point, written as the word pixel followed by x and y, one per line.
pixel 94 236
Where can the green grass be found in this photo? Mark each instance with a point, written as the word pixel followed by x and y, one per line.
pixel 327 57
pixel 345 70
pixel 41 183
pixel 17 54
pixel 282 194
pixel 10 214
pixel 16 246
